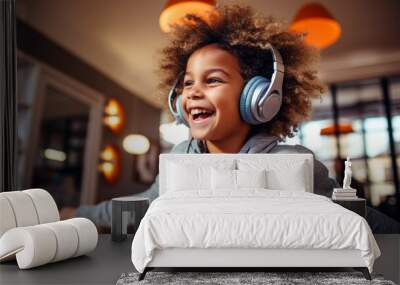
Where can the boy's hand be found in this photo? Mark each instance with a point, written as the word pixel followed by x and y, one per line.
pixel 67 213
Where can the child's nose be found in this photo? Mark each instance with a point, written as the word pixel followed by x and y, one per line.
pixel 194 92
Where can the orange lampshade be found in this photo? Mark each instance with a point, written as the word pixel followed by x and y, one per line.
pixel 343 128
pixel 175 11
pixel 321 28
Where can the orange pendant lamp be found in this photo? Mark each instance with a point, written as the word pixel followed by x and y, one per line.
pixel 321 28
pixel 175 11
pixel 342 128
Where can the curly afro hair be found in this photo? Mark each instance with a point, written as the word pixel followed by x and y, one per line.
pixel 238 30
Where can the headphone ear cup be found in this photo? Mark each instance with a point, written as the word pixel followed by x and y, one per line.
pixel 271 106
pixel 180 113
pixel 247 97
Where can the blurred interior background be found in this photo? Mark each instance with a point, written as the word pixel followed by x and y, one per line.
pixel 91 122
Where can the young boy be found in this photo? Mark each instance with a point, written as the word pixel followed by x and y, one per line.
pixel 212 63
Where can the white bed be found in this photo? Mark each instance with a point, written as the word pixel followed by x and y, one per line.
pixel 201 220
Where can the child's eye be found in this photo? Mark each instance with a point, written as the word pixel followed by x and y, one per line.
pixel 213 79
pixel 187 83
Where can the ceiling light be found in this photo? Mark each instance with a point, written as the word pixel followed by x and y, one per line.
pixel 321 28
pixel 344 128
pixel 175 11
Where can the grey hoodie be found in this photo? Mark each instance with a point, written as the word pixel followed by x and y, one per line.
pixel 258 143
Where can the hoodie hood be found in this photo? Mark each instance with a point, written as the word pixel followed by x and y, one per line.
pixel 259 143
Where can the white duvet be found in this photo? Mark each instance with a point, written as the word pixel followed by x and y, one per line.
pixel 253 218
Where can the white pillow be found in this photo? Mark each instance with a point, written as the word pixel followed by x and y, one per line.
pixel 294 179
pixel 236 179
pixel 251 178
pixel 184 175
pixel 281 174
pixel 223 179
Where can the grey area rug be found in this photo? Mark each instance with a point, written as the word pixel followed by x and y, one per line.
pixel 226 278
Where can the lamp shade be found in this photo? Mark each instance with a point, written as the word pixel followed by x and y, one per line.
pixel 321 28
pixel 344 128
pixel 175 11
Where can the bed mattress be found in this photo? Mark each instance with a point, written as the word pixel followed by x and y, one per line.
pixel 251 219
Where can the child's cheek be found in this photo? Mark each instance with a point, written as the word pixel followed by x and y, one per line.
pixel 228 109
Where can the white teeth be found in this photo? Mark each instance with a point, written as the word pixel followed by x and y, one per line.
pixel 196 111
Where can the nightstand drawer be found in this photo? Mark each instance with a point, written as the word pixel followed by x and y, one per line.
pixel 357 205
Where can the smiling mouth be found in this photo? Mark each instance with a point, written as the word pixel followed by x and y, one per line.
pixel 202 117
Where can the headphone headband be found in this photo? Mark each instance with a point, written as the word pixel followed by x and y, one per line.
pixel 261 112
